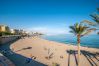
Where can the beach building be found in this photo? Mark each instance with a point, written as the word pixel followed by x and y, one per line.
pixel 15 31
pixel 12 31
pixel 4 28
pixel 21 31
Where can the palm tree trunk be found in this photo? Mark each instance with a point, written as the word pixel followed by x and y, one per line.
pixel 78 41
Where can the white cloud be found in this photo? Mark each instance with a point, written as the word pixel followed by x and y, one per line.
pixel 48 31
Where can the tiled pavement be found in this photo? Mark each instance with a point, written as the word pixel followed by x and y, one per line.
pixel 5 61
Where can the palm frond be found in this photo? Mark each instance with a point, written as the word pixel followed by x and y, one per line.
pixel 83 29
pixel 95 18
pixel 78 28
pixel 89 31
pixel 73 30
pixel 89 22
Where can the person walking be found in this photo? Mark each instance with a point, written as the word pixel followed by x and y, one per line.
pixel 28 60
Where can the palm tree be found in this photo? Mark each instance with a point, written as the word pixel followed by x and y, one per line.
pixel 95 18
pixel 80 30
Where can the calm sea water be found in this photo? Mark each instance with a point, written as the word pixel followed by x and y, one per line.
pixel 89 41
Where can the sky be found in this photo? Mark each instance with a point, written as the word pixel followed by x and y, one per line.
pixel 46 16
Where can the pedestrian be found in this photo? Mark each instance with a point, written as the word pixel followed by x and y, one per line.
pixel 28 60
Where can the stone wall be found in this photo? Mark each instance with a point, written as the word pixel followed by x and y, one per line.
pixel 6 39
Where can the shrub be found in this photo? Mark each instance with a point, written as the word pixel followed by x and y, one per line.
pixel 5 33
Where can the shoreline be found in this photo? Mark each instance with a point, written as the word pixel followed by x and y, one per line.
pixel 69 43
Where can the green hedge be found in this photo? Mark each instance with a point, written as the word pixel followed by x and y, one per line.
pixel 5 33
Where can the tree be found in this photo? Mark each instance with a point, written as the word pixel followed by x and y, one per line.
pixel 95 18
pixel 80 30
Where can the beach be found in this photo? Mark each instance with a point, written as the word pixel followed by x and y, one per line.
pixel 49 52
pixel 49 33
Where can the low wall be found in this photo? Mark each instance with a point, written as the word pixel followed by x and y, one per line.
pixel 6 39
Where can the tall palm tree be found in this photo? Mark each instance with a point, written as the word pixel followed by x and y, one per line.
pixel 80 30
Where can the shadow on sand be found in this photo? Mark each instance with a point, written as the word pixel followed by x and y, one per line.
pixel 72 52
pixel 18 59
pixel 88 55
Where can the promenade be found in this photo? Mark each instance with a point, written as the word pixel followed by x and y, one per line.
pixel 4 61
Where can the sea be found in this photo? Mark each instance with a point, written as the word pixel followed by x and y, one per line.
pixel 88 40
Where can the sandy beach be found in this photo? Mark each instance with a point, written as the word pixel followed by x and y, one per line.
pixel 49 52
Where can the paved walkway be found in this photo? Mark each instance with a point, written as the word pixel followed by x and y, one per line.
pixel 5 61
